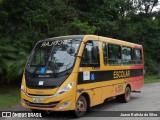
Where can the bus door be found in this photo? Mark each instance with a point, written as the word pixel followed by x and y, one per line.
pixel 89 70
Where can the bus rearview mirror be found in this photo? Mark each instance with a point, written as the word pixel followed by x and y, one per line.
pixel 70 50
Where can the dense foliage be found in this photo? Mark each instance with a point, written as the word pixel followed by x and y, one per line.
pixel 23 22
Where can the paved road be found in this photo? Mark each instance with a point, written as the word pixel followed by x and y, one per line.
pixel 147 100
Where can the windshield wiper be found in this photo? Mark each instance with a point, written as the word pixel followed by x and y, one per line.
pixel 38 66
pixel 66 68
pixel 67 65
pixel 50 59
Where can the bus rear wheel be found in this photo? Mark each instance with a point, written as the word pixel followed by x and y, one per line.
pixel 124 98
pixel 81 107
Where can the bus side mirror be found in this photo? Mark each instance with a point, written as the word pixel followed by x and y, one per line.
pixel 95 55
pixel 70 50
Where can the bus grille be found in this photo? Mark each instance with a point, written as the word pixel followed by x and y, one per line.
pixel 44 105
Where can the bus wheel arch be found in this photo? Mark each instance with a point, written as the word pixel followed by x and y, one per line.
pixel 81 105
pixel 86 95
pixel 83 100
pixel 128 85
pixel 125 97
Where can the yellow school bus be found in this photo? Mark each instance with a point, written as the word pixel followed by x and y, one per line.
pixel 80 71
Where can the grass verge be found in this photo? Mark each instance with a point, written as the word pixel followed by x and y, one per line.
pixel 151 79
pixel 9 95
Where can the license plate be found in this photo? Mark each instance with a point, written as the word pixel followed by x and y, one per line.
pixel 37 100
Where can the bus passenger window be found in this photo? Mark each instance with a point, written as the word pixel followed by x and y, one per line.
pixel 126 55
pixel 137 56
pixel 90 57
pixel 114 54
pixel 104 53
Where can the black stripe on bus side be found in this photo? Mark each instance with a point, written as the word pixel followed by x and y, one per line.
pixel 109 75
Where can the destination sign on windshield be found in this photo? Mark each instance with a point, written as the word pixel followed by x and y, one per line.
pixel 54 43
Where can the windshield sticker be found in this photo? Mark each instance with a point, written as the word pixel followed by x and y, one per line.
pixel 92 77
pixel 86 75
pixel 58 42
pixel 43 70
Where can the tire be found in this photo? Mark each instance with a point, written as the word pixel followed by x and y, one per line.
pixel 125 98
pixel 81 107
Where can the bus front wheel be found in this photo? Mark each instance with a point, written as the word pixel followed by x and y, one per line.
pixel 125 97
pixel 81 107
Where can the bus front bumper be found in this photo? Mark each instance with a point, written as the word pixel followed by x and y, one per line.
pixel 58 103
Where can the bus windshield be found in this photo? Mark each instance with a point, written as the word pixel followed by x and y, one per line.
pixel 50 57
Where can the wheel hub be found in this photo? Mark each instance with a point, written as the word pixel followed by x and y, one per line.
pixel 80 105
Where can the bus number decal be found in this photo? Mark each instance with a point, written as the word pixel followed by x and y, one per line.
pixel 119 88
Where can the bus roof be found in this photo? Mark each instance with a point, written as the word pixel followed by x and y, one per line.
pixel 95 37
pixel 64 37
pixel 112 41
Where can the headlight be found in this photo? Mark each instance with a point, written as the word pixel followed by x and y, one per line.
pixel 65 89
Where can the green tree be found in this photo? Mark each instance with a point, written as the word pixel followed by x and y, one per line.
pixel 24 22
